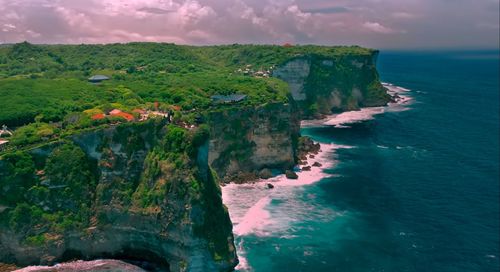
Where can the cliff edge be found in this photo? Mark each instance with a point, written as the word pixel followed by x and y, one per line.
pixel 134 192
pixel 325 84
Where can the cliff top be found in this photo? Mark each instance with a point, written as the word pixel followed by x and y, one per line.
pixel 48 86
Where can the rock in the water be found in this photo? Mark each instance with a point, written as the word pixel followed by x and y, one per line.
pixel 269 186
pixel 306 168
pixel 317 164
pixel 312 156
pixel 94 266
pixel 291 175
pixel 7 267
pixel 307 146
pixel 265 173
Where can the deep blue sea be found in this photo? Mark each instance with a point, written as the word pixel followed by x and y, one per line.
pixel 410 190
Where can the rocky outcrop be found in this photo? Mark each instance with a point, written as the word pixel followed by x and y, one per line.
pixel 136 191
pixel 295 73
pixel 245 141
pixel 94 266
pixel 324 85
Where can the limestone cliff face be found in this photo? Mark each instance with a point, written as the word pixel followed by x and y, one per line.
pixel 322 85
pixel 247 140
pixel 143 191
pixel 244 141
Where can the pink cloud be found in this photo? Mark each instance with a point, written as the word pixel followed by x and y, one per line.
pixel 374 23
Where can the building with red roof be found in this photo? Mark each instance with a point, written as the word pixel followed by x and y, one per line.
pixel 98 116
pixel 127 116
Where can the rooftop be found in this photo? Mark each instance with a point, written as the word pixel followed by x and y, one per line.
pixel 98 116
pixel 228 98
pixel 127 116
pixel 98 78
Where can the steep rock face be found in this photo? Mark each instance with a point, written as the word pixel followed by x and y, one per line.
pixel 244 141
pixel 139 191
pixel 295 73
pixel 322 85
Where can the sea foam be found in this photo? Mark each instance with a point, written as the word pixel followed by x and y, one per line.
pixel 248 204
pixel 342 120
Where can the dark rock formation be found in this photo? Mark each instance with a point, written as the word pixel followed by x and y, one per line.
pixel 306 147
pixel 317 164
pixel 291 175
pixel 265 173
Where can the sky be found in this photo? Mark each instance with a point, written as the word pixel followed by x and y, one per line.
pixel 395 24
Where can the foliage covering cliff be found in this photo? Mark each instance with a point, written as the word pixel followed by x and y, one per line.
pixel 134 191
pixel 245 141
pixel 323 84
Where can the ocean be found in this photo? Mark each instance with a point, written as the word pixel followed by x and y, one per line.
pixel 409 187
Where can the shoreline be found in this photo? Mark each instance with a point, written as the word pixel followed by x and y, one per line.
pixel 247 203
pixel 342 120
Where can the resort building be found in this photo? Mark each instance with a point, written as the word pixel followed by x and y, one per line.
pixel 127 116
pixel 227 99
pixel 98 78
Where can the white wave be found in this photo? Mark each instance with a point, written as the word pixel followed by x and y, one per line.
pixel 243 262
pixel 248 203
pixel 350 117
pixel 395 88
pixel 342 120
pixel 255 219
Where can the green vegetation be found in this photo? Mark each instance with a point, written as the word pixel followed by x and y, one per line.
pixel 48 83
pixel 47 95
pixel 344 75
pixel 171 167
pixel 49 195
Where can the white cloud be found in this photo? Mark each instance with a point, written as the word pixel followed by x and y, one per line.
pixel 378 28
pixel 8 27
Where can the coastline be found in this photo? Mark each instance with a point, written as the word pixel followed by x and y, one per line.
pixel 247 203
pixel 401 100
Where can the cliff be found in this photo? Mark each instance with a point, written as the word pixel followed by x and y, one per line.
pixel 149 192
pixel 325 84
pixel 246 140
pixel 136 191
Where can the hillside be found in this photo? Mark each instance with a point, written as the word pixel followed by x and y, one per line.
pixel 130 166
pixel 50 81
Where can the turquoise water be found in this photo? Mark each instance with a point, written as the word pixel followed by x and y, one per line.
pixel 414 190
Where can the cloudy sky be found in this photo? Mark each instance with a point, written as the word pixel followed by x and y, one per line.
pixel 375 23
